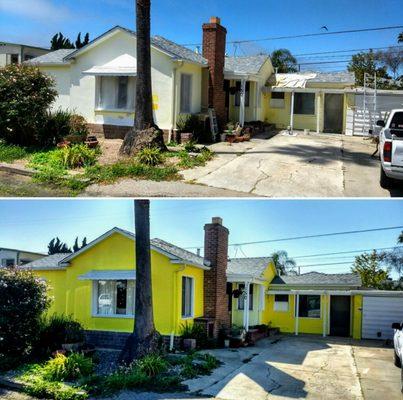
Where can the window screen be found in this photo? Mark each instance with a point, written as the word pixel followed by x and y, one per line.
pixel 238 94
pixel 187 297
pixel 304 103
pixel 116 92
pixel 186 93
pixel 309 306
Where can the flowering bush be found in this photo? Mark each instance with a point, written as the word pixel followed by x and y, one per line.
pixel 25 96
pixel 23 299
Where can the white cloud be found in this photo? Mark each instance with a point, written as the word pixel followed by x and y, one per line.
pixel 43 10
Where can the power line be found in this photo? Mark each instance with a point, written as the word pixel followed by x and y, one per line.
pixel 308 236
pixel 348 252
pixel 325 264
pixel 347 51
pixel 383 28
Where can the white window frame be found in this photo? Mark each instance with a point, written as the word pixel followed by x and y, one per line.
pixel 94 312
pixel 299 303
pixel 241 305
pixel 279 306
pixel 192 298
pixel 188 111
pixel 98 92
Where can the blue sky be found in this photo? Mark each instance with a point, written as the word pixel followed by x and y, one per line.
pixel 35 21
pixel 30 224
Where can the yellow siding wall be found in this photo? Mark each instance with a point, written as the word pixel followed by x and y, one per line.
pixel 74 296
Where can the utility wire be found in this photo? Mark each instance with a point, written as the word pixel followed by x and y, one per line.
pixel 346 51
pixel 348 252
pixel 383 28
pixel 308 236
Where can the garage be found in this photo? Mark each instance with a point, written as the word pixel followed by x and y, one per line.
pixel 378 314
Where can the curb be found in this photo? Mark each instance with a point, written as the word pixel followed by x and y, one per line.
pixel 16 170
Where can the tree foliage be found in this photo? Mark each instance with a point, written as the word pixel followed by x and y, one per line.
pixel 56 246
pixel 284 61
pixel 59 41
pixel 362 63
pixel 283 263
pixel 76 245
pixel 392 59
pixel 394 258
pixel 23 300
pixel 25 97
pixel 368 266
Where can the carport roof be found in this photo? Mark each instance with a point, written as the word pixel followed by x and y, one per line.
pixel 318 279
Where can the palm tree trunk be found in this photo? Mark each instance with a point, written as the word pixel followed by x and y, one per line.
pixel 144 339
pixel 144 111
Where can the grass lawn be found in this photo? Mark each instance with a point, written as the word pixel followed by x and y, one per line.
pixel 10 153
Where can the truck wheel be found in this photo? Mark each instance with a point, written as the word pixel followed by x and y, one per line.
pixel 385 181
pixel 398 363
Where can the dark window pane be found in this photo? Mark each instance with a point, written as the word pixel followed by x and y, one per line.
pixel 304 103
pixel 309 306
pixel 277 95
pixel 122 91
pixel 281 298
pixel 121 297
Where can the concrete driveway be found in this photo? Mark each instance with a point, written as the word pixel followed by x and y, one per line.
pixel 303 368
pixel 295 166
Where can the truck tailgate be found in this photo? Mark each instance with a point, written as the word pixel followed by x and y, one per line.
pixel 397 153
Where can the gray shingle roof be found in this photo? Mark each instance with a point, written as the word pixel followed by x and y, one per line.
pixel 48 262
pixel 54 57
pixel 333 77
pixel 317 278
pixel 248 266
pixel 245 65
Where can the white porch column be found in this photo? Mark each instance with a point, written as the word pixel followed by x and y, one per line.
pixel 242 103
pixel 292 112
pixel 246 307
pixel 318 111
pixel 296 314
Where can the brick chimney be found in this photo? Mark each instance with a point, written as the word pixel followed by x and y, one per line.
pixel 214 42
pixel 215 280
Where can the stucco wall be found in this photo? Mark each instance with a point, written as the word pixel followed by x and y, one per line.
pixel 74 297
pixel 61 76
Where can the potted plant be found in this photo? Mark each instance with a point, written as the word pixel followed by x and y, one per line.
pixel 91 142
pixel 231 137
pixel 237 336
pixel 74 337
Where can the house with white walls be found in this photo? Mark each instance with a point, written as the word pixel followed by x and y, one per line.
pixel 14 257
pixel 98 81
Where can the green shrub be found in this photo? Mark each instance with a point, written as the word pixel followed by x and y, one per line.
pixel 131 378
pixel 10 152
pixel 56 330
pixel 190 161
pixel 25 96
pixel 62 368
pixel 150 156
pixel 194 331
pixel 23 300
pixel 76 156
pixel 152 365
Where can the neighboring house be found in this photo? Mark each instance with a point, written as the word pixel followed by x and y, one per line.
pixel 14 257
pixel 96 285
pixel 11 53
pixel 98 81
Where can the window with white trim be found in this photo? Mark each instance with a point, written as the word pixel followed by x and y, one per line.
pixel 277 100
pixel 187 296
pixel 309 306
pixel 116 93
pixel 186 94
pixel 114 298
pixel 281 302
pixel 238 93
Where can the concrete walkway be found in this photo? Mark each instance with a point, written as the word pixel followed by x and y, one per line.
pixel 295 166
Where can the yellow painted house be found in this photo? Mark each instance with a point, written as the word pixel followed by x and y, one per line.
pixel 96 285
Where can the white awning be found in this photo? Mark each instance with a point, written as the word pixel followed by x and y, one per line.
pixel 124 65
pixel 109 275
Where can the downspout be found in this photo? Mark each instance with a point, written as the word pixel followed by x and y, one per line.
pixel 174 99
pixel 175 307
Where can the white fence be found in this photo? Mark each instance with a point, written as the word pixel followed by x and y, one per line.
pixel 359 122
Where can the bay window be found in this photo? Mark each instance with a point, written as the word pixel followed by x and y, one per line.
pixel 116 93
pixel 114 298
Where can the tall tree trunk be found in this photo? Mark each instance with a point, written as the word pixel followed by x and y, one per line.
pixel 144 339
pixel 145 133
pixel 144 109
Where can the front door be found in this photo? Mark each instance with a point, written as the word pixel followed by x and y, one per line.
pixel 340 315
pixel 333 122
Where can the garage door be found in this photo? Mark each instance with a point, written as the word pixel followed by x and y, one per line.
pixel 378 314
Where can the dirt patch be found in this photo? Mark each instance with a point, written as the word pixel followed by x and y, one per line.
pixel 110 151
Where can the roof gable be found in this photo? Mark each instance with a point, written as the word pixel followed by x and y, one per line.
pixel 245 65
pixel 254 266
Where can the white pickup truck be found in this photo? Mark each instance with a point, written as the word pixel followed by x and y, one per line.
pixel 391 148
pixel 398 345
